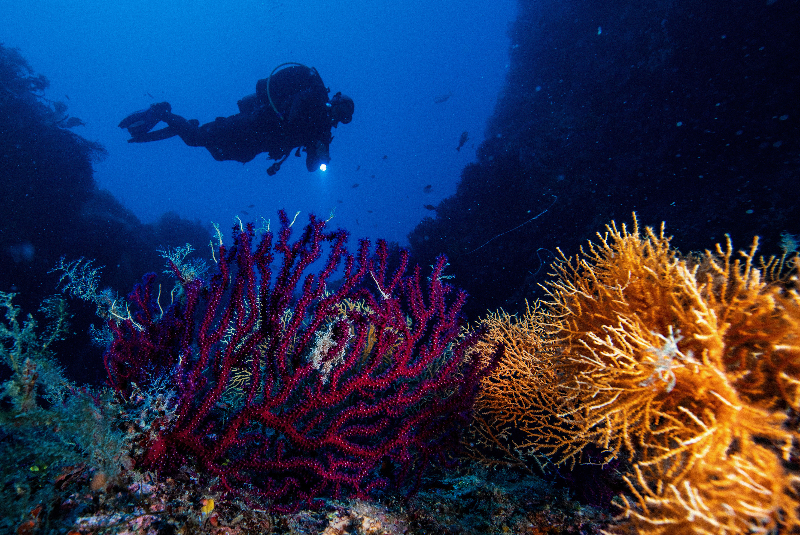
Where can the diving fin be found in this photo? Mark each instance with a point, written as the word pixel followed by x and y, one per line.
pixel 155 135
pixel 140 123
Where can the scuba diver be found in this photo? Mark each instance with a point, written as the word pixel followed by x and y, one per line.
pixel 290 109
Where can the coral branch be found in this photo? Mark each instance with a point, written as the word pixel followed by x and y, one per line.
pixel 289 386
pixel 688 366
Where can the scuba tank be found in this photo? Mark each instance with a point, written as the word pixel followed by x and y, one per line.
pixel 278 94
pixel 277 99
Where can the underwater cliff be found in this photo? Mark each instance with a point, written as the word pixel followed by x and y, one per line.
pixel 685 112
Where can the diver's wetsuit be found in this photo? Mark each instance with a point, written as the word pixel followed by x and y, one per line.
pixel 303 120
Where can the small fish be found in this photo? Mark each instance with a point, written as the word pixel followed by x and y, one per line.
pixel 251 205
pixel 372 176
pixel 442 98
pixel 358 167
pixel 427 189
pixel 245 212
pixel 355 185
pixel 340 201
pixel 369 211
pixel 430 207
pixel 384 157
pixel 463 139
pixel 149 95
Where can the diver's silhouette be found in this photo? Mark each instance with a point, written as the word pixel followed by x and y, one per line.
pixel 290 109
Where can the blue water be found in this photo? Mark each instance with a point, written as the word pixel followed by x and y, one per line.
pixel 497 133
pixel 572 114
pixel 396 59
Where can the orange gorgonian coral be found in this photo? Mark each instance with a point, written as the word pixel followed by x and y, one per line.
pixel 685 364
pixel 518 396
